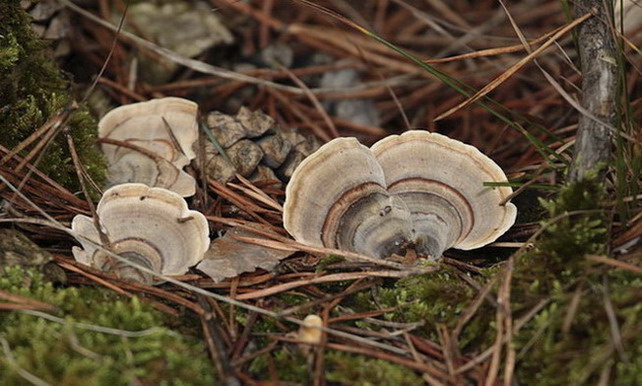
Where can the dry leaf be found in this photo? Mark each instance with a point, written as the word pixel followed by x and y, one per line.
pixel 228 257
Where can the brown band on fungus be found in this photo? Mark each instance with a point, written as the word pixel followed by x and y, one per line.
pixel 436 188
pixel 335 213
pixel 131 244
pixel 418 179
pixel 377 225
pixel 431 156
pixel 145 228
pixel 150 143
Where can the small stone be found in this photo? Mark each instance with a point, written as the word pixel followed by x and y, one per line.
pixel 359 111
pixel 17 249
pixel 59 28
pixel 275 150
pixel 277 54
pixel 45 10
pixel 40 30
pixel 245 155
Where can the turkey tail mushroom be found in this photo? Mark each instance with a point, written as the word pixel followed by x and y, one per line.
pixel 416 189
pixel 442 182
pixel 337 198
pixel 150 142
pixel 150 226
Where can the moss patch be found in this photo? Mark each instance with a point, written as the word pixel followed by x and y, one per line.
pixel 340 369
pixel 592 327
pixel 586 349
pixel 348 369
pixel 33 91
pixel 75 353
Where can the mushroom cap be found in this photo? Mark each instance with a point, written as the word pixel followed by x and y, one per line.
pixel 309 334
pixel 166 128
pixel 151 226
pixel 337 198
pixel 441 180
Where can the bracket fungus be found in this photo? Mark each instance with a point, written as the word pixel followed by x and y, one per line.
pixel 150 142
pixel 337 198
pixel 417 190
pixel 152 227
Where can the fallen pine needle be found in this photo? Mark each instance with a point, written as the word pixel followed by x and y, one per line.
pixel 321 279
pixel 615 263
pixel 511 71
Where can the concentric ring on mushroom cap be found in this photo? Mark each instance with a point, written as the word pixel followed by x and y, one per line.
pixel 337 198
pixel 456 167
pixel 156 218
pixel 166 127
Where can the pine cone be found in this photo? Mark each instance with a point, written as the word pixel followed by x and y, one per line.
pixel 254 146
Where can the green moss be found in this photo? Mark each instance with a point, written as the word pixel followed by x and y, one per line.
pixel 578 222
pixel 341 368
pixel 290 363
pixel 584 350
pixel 71 354
pixel 33 91
pixel 551 351
pixel 576 226
pixel 329 260
pixel 349 369
pixel 434 299
pixel 552 356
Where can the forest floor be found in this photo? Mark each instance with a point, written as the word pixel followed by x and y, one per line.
pixel 556 300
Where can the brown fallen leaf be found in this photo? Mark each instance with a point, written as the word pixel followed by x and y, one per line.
pixel 228 257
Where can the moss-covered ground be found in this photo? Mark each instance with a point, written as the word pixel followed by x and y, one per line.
pixel 95 337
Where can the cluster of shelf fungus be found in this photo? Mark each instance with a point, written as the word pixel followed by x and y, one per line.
pixel 417 190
